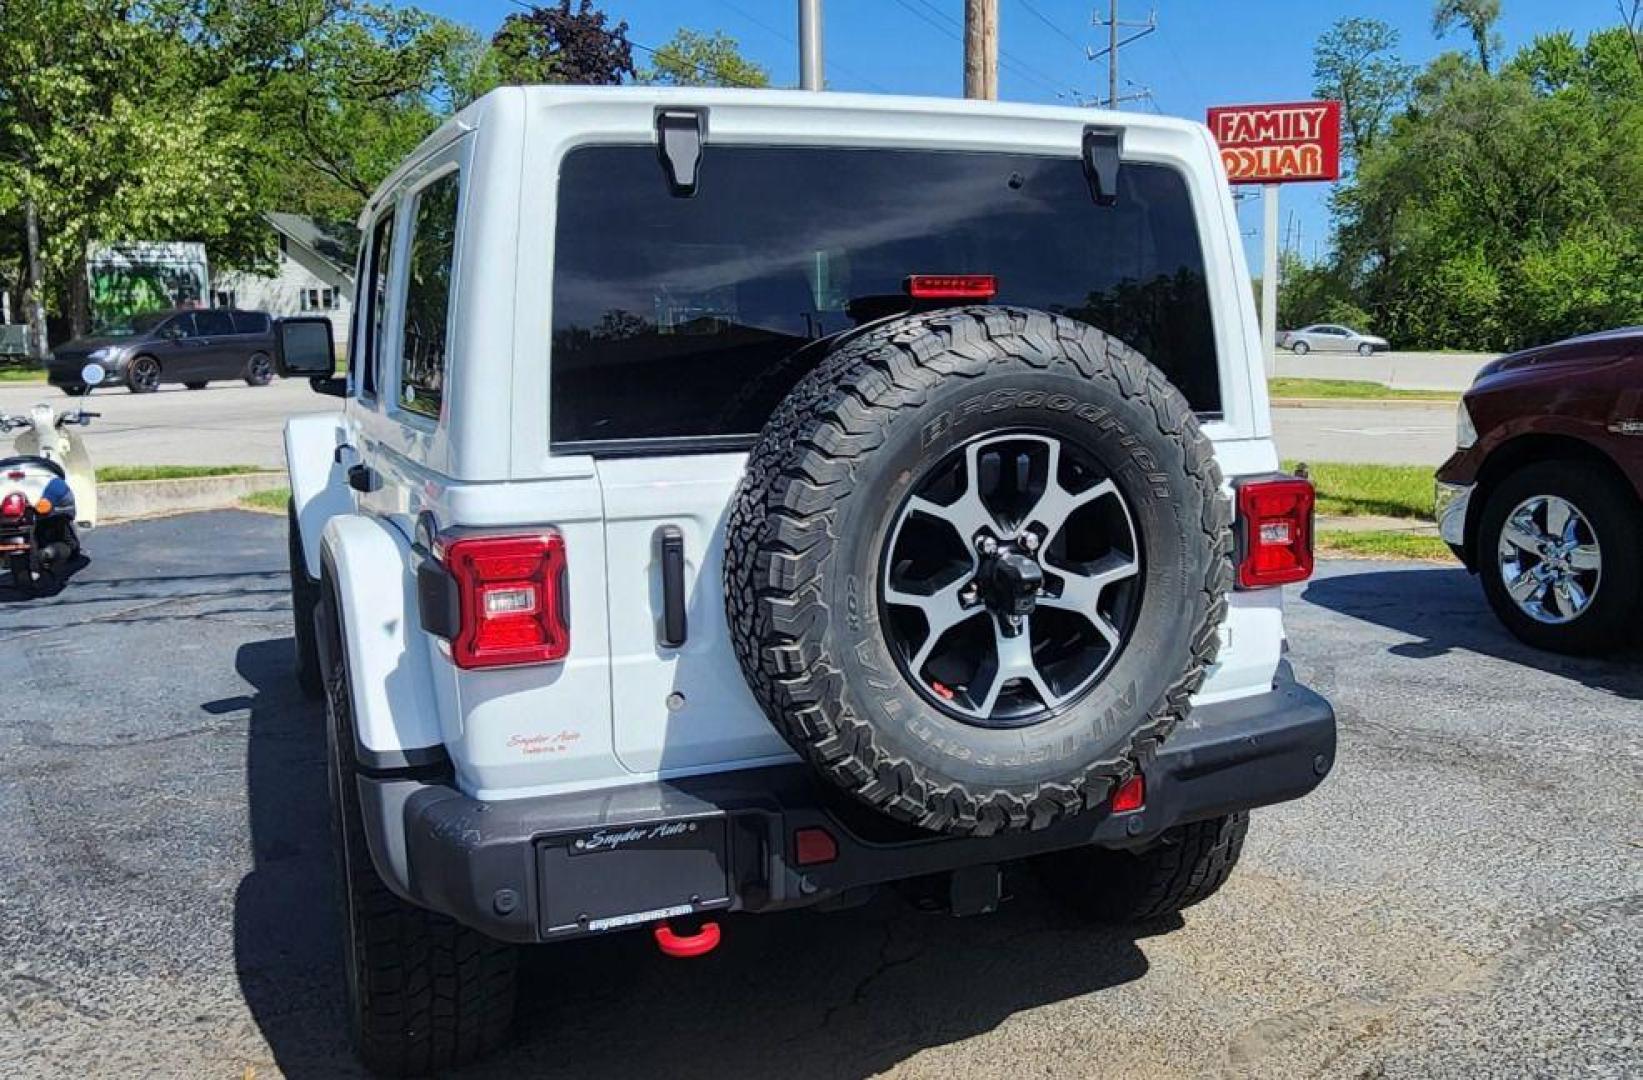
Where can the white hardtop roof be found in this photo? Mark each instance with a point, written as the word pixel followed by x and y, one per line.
pixel 874 106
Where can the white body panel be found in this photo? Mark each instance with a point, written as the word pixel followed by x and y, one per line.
pixel 608 715
pixel 395 707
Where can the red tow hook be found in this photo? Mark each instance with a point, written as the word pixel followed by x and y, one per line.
pixel 684 946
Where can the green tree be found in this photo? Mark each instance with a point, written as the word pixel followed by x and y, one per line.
pixel 553 44
pixel 1355 62
pixel 109 134
pixel 696 59
pixel 1499 209
pixel 1477 17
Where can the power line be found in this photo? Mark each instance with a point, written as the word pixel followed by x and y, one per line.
pixel 702 69
pixel 1047 21
pixel 932 16
pixel 788 38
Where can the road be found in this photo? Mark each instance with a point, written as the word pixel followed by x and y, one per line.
pixel 1410 433
pixel 1463 897
pixel 223 424
pixel 230 424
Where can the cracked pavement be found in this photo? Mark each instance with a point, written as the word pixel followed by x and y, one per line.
pixel 1463 897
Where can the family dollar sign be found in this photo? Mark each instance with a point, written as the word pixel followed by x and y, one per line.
pixel 1275 144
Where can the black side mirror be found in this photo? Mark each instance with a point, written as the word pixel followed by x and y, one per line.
pixel 303 347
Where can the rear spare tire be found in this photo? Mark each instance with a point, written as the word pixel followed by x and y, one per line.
pixel 977 565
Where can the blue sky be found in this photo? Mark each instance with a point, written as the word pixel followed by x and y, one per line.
pixel 1205 52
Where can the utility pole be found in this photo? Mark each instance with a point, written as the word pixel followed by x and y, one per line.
pixel 1114 43
pixel 810 44
pixel 981 49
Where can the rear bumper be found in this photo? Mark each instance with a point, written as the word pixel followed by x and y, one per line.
pixel 564 866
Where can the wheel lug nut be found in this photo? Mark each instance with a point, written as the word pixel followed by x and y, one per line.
pixel 1029 540
pixel 986 544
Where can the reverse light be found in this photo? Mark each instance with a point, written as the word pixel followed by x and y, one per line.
pixel 510 600
pixel 951 286
pixel 14 506
pixel 1274 532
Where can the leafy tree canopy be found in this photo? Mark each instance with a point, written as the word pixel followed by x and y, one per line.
pixel 553 44
pixel 696 59
pixel 1498 208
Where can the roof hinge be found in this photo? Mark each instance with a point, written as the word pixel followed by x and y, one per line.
pixel 1103 146
pixel 679 137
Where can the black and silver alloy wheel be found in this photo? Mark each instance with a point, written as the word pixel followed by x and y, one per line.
pixel 144 375
pixel 1011 576
pixel 1550 559
pixel 259 370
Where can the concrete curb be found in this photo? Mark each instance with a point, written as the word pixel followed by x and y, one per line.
pixel 1363 403
pixel 1375 523
pixel 149 498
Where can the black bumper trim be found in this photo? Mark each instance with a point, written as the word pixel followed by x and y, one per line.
pixel 486 864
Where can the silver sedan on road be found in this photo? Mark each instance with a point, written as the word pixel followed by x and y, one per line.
pixel 1330 337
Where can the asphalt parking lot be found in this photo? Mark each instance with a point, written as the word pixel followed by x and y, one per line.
pixel 1463 897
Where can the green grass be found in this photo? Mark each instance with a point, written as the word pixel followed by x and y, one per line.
pixel 21 375
pixel 272 501
pixel 1402 491
pixel 1383 544
pixel 1350 389
pixel 113 474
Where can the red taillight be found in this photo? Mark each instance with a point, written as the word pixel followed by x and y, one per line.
pixel 511 594
pixel 14 506
pixel 1131 796
pixel 951 286
pixel 1274 532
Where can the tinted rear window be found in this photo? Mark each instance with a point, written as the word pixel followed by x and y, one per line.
pixel 213 322
pixel 250 322
pixel 679 318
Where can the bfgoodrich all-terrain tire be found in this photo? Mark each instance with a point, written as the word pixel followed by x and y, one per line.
pixel 1186 866
pixel 425 993
pixel 901 627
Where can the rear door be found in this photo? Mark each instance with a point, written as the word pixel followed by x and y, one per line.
pixel 678 325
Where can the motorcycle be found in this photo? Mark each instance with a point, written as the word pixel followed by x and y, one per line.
pixel 48 490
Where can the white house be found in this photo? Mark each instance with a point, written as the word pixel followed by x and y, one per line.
pixel 314 277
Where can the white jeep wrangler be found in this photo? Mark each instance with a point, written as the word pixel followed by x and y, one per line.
pixel 744 500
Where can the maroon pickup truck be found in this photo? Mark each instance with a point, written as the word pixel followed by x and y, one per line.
pixel 1543 497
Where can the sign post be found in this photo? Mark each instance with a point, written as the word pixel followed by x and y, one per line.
pixel 1272 145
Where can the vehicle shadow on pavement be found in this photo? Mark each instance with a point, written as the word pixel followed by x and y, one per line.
pixel 1445 608
pixel 287 952
pixel 801 994
pixel 45 587
pixel 808 994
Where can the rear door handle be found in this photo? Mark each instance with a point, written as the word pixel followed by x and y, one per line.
pixel 672 544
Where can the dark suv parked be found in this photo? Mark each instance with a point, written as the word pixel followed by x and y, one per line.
pixel 183 346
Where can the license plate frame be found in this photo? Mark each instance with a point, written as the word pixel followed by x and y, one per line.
pixel 623 875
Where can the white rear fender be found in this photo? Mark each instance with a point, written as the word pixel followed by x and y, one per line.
pixel 319 484
pixel 368 566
